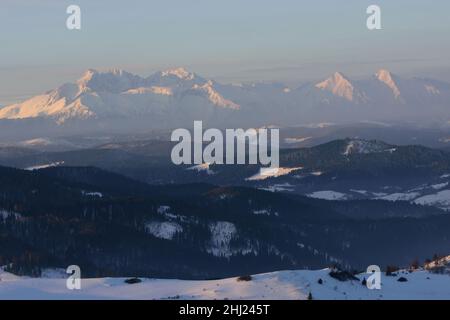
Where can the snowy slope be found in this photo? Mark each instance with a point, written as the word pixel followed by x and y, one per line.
pixel 275 285
pixel 387 78
pixel 340 86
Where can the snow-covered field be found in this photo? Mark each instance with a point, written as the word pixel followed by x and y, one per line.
pixel 275 285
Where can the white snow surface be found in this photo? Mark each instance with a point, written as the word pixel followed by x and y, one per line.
pixel 290 285
pixel 43 166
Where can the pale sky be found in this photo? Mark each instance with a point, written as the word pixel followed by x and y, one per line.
pixel 228 40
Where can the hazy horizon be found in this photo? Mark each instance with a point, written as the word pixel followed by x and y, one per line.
pixel 288 41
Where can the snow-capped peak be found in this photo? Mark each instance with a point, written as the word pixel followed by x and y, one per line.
pixel 180 73
pixel 215 97
pixel 114 80
pixel 87 76
pixel 386 77
pixel 339 85
pixel 115 92
pixel 109 74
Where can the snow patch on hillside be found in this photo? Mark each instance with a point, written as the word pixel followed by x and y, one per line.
pixel 363 192
pixel 265 212
pixel 222 232
pixel 280 187
pixel 400 196
pixel 265 173
pixel 163 230
pixel 296 140
pixel 440 200
pixel 36 142
pixel 328 195
pixel 43 166
pixel 439 186
pixel 204 167
pixel 5 214
pixel 92 194
pixel 357 146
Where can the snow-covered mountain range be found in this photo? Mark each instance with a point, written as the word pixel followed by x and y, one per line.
pixel 118 93
pixel 177 96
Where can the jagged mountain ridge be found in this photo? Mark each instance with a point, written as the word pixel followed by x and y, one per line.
pixel 177 96
pixel 117 93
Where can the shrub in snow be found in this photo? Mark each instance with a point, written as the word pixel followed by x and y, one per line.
pixel 414 265
pixel 390 270
pixel 244 278
pixel 438 270
pixel 342 275
pixel 133 280
pixel 402 279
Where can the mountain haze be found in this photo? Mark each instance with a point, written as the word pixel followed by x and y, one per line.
pixel 119 100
